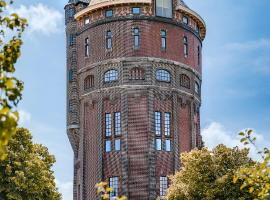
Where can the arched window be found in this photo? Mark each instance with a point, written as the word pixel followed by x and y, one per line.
pixel 163 75
pixel 89 82
pixel 136 73
pixel 197 88
pixel 185 41
pixel 111 75
pixel 185 81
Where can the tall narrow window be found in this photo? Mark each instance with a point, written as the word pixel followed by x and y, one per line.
pixel 163 39
pixel 86 47
pixel 70 73
pixel 114 184
pixel 89 82
pixel 185 41
pixel 185 81
pixel 117 123
pixel 158 123
pixel 117 145
pixel 164 8
pixel 111 75
pixel 108 124
pixel 70 105
pixel 71 38
pixel 199 55
pixel 108 146
pixel 168 145
pixel 136 37
pixel 167 124
pixel 163 184
pixel 163 75
pixel 158 144
pixel 109 40
pixel 197 88
pixel 108 13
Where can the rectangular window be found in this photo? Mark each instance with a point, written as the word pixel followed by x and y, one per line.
pixel 164 8
pixel 117 123
pixel 71 39
pixel 158 123
pixel 168 145
pixel 136 37
pixel 117 145
pixel 108 124
pixel 185 41
pixel 70 105
pixel 86 47
pixel 108 13
pixel 185 20
pixel 167 123
pixel 108 146
pixel 163 185
pixel 158 144
pixel 114 184
pixel 109 40
pixel 86 20
pixel 70 73
pixel 163 39
pixel 136 10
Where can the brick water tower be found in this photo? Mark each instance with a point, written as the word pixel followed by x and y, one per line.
pixel 133 93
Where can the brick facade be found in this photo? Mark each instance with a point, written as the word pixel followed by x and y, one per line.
pixel 136 95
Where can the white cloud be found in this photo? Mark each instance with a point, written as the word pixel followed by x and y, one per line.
pixel 65 188
pixel 215 134
pixel 24 117
pixel 41 18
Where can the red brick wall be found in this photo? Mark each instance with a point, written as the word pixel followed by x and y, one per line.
pixel 184 122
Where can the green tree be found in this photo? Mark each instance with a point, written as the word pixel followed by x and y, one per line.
pixel 208 175
pixel 256 178
pixel 11 88
pixel 26 172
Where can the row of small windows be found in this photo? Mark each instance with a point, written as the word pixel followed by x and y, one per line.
pixel 114 185
pixel 137 73
pixel 136 43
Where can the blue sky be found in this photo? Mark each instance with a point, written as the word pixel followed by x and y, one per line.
pixel 236 75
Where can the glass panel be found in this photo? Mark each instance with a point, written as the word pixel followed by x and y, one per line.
pixel 164 8
pixel 136 10
pixel 114 184
pixel 167 124
pixel 70 73
pixel 108 124
pixel 109 13
pixel 158 123
pixel 111 75
pixel 163 182
pixel 158 145
pixel 108 146
pixel 168 145
pixel 117 123
pixel 117 145
pixel 185 20
pixel 163 75
pixel 70 105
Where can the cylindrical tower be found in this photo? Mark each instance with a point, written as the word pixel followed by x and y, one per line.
pixel 133 93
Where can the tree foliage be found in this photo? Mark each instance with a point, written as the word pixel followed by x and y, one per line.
pixel 257 177
pixel 11 28
pixel 26 172
pixel 208 175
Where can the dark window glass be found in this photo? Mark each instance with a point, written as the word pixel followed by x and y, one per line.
pixel 136 10
pixel 108 124
pixel 108 13
pixel 114 184
pixel 168 145
pixel 70 105
pixel 164 8
pixel 158 123
pixel 163 39
pixel 185 20
pixel 167 123
pixel 117 123
pixel 136 37
pixel 185 41
pixel 163 75
pixel 197 88
pixel 158 144
pixel 117 145
pixel 86 47
pixel 108 146
pixel 89 82
pixel 71 39
pixel 109 40
pixel 136 73
pixel 111 75
pixel 70 73
pixel 185 81
pixel 163 182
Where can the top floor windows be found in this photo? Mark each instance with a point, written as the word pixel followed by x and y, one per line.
pixel 163 39
pixel 108 13
pixel 163 75
pixel 185 20
pixel 185 41
pixel 164 8
pixel 86 47
pixel 136 10
pixel 86 20
pixel 111 75
pixel 109 40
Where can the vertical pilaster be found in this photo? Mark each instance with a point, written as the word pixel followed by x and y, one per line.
pixel 176 133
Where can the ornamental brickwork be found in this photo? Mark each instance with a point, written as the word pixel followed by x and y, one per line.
pixel 117 88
